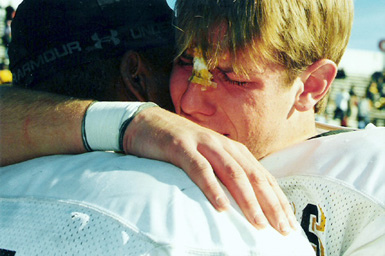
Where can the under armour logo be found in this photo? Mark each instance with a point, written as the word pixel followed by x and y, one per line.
pixel 107 39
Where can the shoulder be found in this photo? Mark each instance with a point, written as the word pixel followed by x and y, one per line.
pixel 130 198
pixel 355 159
pixel 335 184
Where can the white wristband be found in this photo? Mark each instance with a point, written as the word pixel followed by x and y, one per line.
pixel 103 122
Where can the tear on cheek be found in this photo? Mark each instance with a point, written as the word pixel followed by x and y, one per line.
pixel 200 74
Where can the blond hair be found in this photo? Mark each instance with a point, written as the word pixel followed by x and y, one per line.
pixel 290 33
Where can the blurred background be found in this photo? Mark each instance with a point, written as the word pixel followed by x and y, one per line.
pixel 358 94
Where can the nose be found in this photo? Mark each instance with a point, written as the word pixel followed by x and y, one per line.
pixel 196 102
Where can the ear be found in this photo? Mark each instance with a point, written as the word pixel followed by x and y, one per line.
pixel 316 79
pixel 131 70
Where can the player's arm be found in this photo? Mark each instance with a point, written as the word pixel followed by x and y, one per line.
pixel 37 124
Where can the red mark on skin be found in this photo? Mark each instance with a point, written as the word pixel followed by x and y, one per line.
pixel 26 124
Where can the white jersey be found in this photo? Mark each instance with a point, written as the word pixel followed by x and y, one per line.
pixel 337 187
pixel 104 203
pixel 108 204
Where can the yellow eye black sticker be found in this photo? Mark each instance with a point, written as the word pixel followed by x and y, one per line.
pixel 200 74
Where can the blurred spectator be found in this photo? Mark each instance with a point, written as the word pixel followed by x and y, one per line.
pixel 5 76
pixel 363 114
pixel 353 103
pixel 380 103
pixel 342 105
pixel 341 74
pixel 7 36
pixel 372 91
pixel 9 13
pixel 376 90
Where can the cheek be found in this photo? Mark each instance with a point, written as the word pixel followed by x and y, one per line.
pixel 251 114
pixel 178 85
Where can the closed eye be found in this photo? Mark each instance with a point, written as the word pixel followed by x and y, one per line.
pixel 223 76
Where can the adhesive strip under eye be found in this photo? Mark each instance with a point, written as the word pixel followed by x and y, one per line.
pixel 200 74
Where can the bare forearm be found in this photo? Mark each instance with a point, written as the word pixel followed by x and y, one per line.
pixel 34 124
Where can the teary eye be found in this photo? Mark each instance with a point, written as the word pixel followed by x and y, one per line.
pixel 222 75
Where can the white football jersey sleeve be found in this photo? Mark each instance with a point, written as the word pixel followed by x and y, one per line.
pixel 108 204
pixel 336 186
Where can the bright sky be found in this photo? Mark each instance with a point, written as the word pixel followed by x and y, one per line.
pixel 368 28
pixel 14 3
pixel 369 25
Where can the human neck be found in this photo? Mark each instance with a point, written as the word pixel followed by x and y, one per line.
pixel 302 127
pixel 298 128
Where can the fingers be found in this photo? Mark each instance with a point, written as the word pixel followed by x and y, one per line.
pixel 285 204
pixel 253 187
pixel 236 181
pixel 201 173
pixel 271 198
pixel 270 202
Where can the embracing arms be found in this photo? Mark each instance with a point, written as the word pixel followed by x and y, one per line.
pixel 36 124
